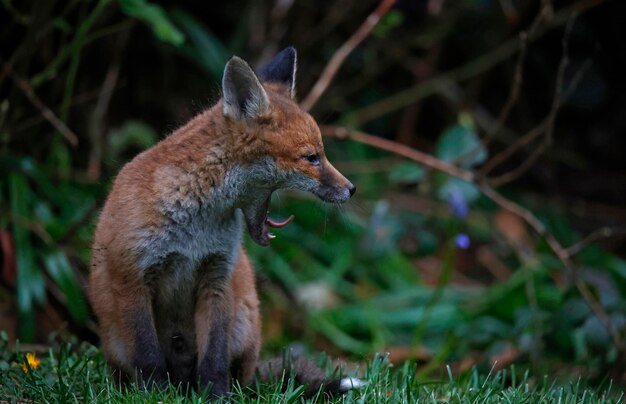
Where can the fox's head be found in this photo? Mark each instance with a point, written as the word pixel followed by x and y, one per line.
pixel 279 144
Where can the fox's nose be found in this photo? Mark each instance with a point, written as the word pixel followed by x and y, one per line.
pixel 352 189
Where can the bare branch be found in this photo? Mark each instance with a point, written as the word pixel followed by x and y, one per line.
pixel 520 169
pixel 514 94
pixel 510 102
pixel 46 112
pixel 561 254
pixel 473 68
pixel 599 234
pixel 342 53
pixel 544 14
pixel 548 124
pixel 399 149
pixel 96 123
pixel 508 152
pixel 523 213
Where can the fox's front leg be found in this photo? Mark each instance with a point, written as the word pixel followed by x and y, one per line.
pixel 147 360
pixel 133 336
pixel 123 304
pixel 213 321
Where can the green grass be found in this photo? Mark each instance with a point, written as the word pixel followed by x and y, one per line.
pixel 79 374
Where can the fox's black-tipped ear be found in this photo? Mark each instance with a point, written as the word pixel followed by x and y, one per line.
pixel 282 69
pixel 244 96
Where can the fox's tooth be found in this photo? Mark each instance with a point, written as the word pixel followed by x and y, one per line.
pixel 271 235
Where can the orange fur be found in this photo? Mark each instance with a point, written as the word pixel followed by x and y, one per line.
pixel 172 288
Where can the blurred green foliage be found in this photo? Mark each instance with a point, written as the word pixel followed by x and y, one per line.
pixel 384 273
pixel 156 18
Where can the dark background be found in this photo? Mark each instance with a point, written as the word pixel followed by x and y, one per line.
pixel 51 191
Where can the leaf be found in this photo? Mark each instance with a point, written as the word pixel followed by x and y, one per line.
pixel 62 24
pixel 156 18
pixel 574 310
pixel 383 231
pixel 455 186
pixel 441 317
pixel 484 329
pixel 407 172
pixel 513 228
pixel 338 336
pixel 203 47
pixel 618 267
pixel 392 19
pixel 30 283
pixel 428 242
pixel 595 332
pixel 461 143
pixel 61 272
pixel 132 134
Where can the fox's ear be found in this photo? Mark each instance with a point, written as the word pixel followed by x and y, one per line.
pixel 282 69
pixel 244 96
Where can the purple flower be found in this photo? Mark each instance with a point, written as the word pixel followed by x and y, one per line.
pixel 462 241
pixel 458 205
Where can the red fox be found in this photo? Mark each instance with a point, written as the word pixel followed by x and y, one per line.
pixel 170 283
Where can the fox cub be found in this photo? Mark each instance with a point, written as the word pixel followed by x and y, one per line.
pixel 170 283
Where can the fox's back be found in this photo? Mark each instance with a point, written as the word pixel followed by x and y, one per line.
pixel 169 199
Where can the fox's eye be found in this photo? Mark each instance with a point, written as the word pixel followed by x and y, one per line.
pixel 313 159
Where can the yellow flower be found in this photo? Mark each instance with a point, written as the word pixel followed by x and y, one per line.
pixel 32 362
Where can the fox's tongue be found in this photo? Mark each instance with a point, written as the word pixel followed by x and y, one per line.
pixel 277 224
pixel 258 221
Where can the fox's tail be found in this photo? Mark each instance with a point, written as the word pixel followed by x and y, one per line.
pixel 305 373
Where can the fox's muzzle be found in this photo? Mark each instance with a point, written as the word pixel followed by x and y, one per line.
pixel 334 187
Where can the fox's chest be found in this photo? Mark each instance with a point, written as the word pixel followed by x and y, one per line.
pixel 192 237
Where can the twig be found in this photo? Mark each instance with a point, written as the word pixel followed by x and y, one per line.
pixel 18 17
pixel 509 11
pixel 368 166
pixel 523 213
pixel 78 224
pixel 562 255
pixel 399 149
pixel 523 141
pixel 77 46
pixel 510 102
pixel 72 48
pixel 549 129
pixel 27 90
pixel 96 123
pixel 545 14
pixel 515 173
pixel 342 53
pixel 79 99
pixel 598 234
pixel 473 68
pixel 547 126
pixel 273 29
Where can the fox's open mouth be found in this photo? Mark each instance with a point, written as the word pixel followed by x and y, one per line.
pixel 259 221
